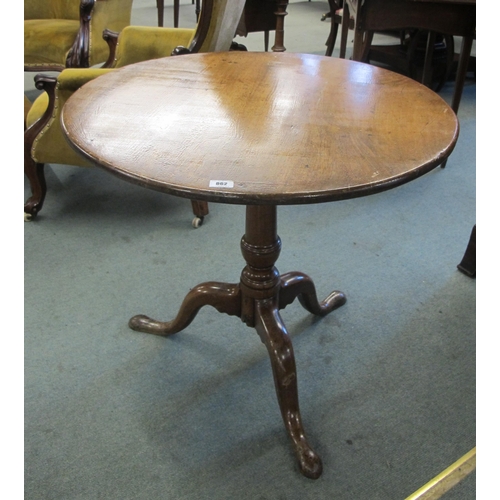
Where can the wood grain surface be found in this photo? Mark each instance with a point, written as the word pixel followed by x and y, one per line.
pixel 280 128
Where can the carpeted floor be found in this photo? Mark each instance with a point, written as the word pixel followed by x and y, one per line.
pixel 386 382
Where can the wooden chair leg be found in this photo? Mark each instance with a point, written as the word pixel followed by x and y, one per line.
pixel 330 43
pixel 176 13
pixel 32 169
pixel 463 65
pixel 34 173
pixel 160 5
pixel 367 38
pixel 344 31
pixel 429 54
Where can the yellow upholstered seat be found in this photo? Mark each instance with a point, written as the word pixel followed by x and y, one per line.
pixel 62 34
pixel 44 139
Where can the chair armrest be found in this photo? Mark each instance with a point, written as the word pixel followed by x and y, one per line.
pixel 44 139
pixel 79 54
pixel 109 16
pixel 44 113
pixel 57 91
pixel 111 38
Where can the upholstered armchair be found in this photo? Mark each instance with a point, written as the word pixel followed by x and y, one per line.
pixel 62 34
pixel 44 139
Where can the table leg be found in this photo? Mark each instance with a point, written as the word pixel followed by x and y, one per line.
pixel 160 5
pixel 429 54
pixel 299 285
pixel 176 13
pixel 273 334
pixel 222 296
pixel 279 34
pixel 463 64
pixel 344 31
pixel 257 299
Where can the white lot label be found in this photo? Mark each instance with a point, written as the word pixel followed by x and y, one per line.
pixel 221 184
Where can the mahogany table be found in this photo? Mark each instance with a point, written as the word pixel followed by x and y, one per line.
pixel 260 129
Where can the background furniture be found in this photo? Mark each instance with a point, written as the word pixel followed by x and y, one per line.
pixel 406 56
pixel 44 141
pixel 160 5
pixel 62 34
pixel 468 263
pixel 259 141
pixel 258 15
pixel 335 14
pixel 266 16
pixel 450 17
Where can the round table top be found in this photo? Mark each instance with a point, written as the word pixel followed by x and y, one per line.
pixel 260 128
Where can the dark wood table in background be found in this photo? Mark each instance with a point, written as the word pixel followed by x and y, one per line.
pixel 450 17
pixel 261 129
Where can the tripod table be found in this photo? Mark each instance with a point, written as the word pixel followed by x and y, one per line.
pixel 262 130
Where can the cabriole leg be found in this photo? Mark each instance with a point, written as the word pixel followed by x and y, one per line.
pixel 273 333
pixel 224 297
pixel 34 173
pixel 300 285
